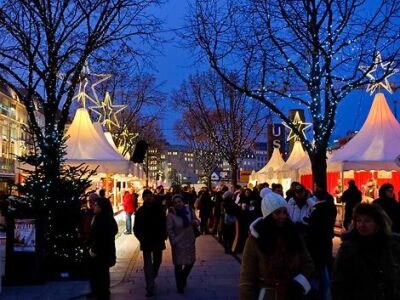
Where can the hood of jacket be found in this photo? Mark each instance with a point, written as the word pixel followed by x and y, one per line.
pixel 255 227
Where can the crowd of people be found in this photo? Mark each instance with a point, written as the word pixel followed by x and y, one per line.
pixel 286 242
pixel 288 254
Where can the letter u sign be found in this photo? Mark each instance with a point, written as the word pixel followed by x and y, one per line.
pixel 276 130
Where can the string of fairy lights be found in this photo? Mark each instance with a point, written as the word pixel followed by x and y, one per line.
pixel 378 66
pixel 107 112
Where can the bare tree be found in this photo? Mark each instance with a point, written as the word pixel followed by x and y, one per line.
pixel 226 116
pixel 206 154
pixel 44 48
pixel 42 39
pixel 305 52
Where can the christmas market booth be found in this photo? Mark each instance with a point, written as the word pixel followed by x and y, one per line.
pixel 267 173
pixel 370 156
pixel 87 144
pixel 289 172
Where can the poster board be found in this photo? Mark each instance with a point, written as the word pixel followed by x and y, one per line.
pixel 24 235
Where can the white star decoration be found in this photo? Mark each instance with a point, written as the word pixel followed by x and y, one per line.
pixel 300 125
pixel 388 72
pixel 106 113
pixel 85 78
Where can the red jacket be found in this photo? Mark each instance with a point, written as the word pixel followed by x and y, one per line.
pixel 129 206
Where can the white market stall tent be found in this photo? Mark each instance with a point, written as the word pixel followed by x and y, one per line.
pixel 376 146
pixel 267 172
pixel 370 155
pixel 289 172
pixel 86 143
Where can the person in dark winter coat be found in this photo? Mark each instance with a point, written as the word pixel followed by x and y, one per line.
pixel 150 230
pixel 229 219
pixel 389 204
pixel 275 264
pixel 351 197
pixel 206 206
pixel 102 248
pixel 319 243
pixel 367 264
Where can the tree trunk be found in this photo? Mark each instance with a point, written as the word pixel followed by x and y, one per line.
pixel 319 169
pixel 209 185
pixel 234 171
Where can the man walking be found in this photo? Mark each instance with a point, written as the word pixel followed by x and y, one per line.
pixel 351 197
pixel 150 230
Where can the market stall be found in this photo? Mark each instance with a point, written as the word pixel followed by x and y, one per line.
pixel 369 158
pixel 88 144
pixel 266 174
pixel 289 172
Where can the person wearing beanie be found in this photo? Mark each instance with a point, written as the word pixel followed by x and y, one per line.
pixel 265 191
pixel 275 257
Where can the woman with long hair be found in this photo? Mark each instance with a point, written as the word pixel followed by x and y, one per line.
pixel 102 248
pixel 180 221
pixel 275 263
pixel 367 266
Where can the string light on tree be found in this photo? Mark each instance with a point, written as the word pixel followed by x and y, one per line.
pixel 388 72
pixel 300 125
pixel 107 112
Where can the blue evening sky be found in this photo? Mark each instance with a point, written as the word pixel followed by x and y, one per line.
pixel 177 63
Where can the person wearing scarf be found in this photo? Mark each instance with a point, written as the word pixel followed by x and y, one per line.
pixel 180 221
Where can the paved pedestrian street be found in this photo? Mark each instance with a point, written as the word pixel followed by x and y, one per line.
pixel 215 275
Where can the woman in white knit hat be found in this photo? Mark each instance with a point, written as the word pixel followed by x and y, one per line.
pixel 276 264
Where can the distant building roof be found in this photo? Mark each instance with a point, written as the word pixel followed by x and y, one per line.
pixel 180 148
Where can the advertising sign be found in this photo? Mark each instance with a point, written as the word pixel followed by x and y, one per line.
pixel 276 138
pixel 24 235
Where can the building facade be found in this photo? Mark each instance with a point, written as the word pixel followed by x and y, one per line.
pixel 14 138
pixel 172 164
pixel 254 158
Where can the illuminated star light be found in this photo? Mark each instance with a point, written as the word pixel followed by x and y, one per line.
pixel 106 113
pixel 388 70
pixel 300 125
pixel 84 81
pixel 127 137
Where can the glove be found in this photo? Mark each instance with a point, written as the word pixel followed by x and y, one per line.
pixel 294 291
